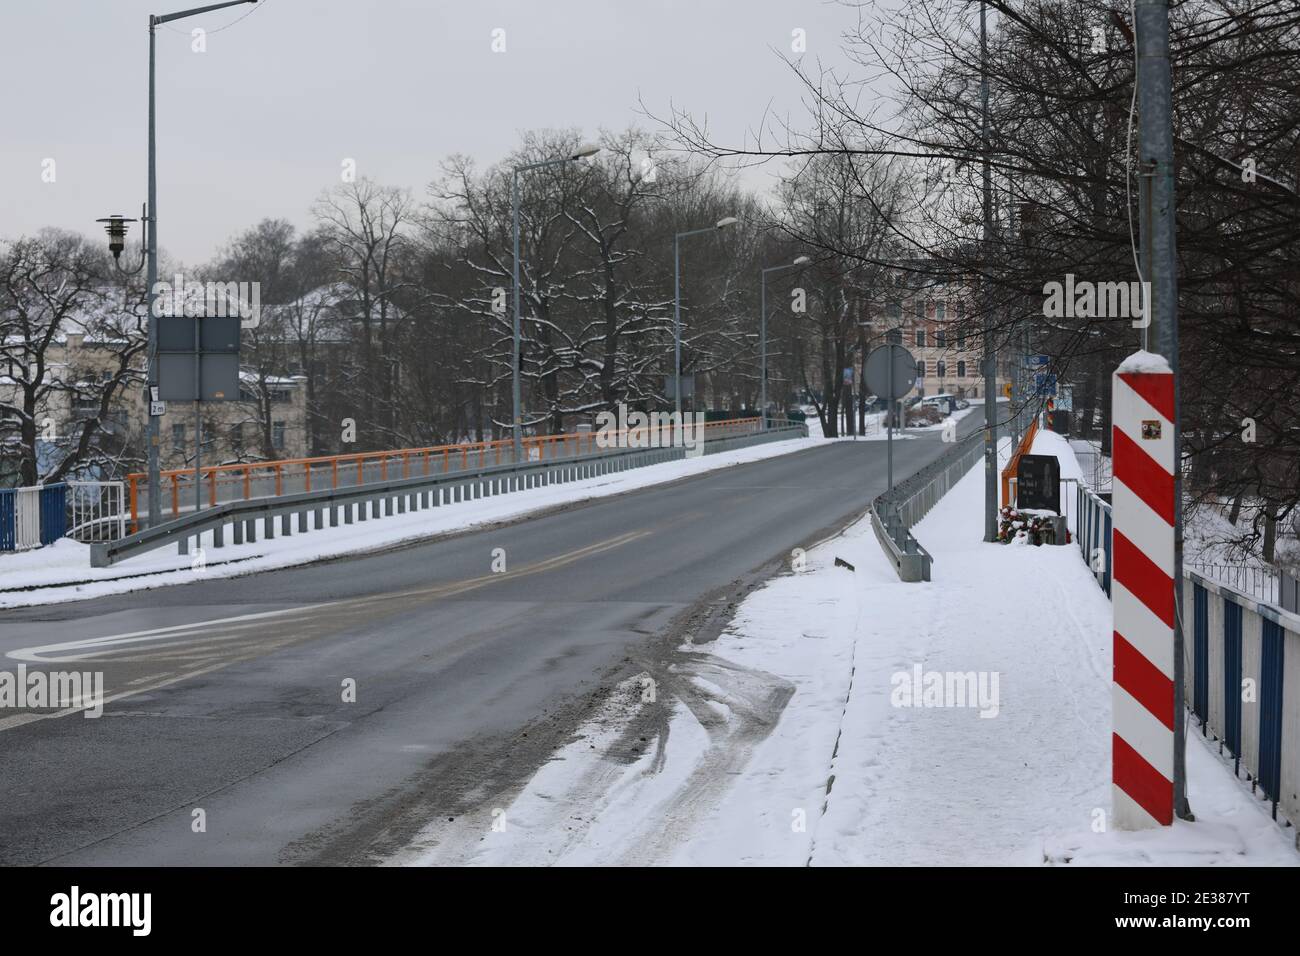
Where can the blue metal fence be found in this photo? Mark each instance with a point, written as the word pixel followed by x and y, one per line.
pixel 32 517
pixel 1232 689
pixel 1270 712
pixel 8 519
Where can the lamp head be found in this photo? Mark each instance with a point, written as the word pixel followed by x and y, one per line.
pixel 116 226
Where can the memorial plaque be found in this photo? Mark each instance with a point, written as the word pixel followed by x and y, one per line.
pixel 1038 483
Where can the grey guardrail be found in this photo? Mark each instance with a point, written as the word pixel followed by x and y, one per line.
pixel 397 497
pixel 894 513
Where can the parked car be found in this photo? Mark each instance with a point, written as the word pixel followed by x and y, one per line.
pixel 944 403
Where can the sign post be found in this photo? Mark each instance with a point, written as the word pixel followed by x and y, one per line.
pixel 890 373
pixel 198 361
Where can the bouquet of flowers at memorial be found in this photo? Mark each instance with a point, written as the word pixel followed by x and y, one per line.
pixel 1024 526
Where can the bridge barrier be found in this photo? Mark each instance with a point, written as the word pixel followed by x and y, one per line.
pixel 32 517
pixel 894 513
pixel 242 481
pixel 397 496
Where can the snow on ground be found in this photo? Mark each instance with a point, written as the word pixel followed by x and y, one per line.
pixel 67 562
pixel 856 768
pixel 876 430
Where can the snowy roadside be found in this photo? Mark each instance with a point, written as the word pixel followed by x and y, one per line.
pixel 876 430
pixel 862 764
pixel 62 571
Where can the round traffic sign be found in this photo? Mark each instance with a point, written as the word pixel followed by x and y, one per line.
pixel 878 366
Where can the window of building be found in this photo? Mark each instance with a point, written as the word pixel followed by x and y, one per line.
pixel 277 435
pixel 178 434
pixel 894 336
pixel 961 340
pixel 942 368
pixel 895 311
pixel 961 369
pixel 940 338
pixel 938 311
pixel 920 308
pixel 920 337
pixel 920 368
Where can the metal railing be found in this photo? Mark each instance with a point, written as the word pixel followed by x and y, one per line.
pixel 96 510
pixel 1262 583
pixel 243 481
pixel 397 496
pixel 1092 527
pixel 1237 643
pixel 32 517
pixel 894 513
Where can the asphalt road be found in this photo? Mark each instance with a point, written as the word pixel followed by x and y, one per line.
pixel 227 738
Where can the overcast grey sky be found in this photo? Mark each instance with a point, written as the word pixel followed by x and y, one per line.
pixel 259 124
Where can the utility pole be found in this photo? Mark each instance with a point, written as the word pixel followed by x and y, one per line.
pixel 1159 263
pixel 150 286
pixel 990 357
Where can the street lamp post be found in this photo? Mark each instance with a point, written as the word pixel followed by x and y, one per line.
pixel 677 308
pixel 516 429
pixel 117 234
pixel 762 333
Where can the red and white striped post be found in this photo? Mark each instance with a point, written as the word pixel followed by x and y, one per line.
pixel 1142 695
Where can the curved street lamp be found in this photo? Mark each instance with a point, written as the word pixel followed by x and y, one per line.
pixel 116 227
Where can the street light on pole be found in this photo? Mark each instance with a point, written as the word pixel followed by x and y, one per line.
pixel 117 233
pixel 762 334
pixel 516 427
pixel 677 306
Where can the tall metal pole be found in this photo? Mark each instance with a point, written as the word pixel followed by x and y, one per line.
pixel 151 280
pixel 990 366
pixel 677 329
pixel 516 428
pixel 889 418
pixel 1156 162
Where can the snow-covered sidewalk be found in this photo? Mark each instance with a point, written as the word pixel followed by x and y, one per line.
pixel 62 571
pixel 847 718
